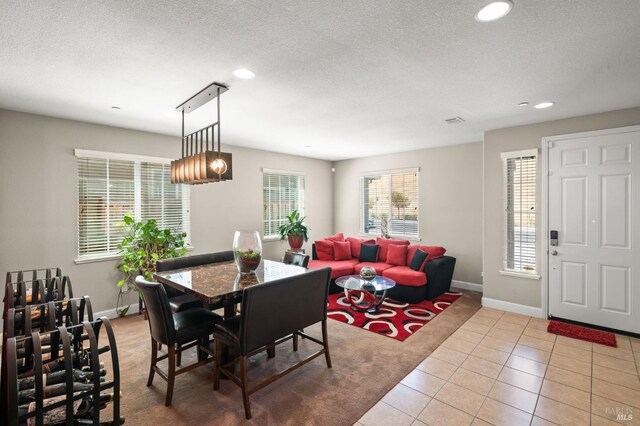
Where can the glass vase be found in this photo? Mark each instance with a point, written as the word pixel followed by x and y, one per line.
pixel 247 251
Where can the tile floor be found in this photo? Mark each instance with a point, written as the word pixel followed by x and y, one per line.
pixel 501 368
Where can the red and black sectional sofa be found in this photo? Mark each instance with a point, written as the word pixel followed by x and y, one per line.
pixel 420 272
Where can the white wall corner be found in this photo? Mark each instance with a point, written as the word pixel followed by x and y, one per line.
pixel 512 307
pixel 466 286
pixel 112 314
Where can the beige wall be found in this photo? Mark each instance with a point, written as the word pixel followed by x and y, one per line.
pixel 450 199
pixel 514 289
pixel 38 196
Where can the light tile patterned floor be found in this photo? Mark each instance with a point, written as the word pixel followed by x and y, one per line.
pixel 501 368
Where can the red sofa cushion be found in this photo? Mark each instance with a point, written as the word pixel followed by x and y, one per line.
pixel 378 266
pixel 341 250
pixel 324 249
pixel 384 247
pixel 397 255
pixel 338 237
pixel 404 275
pixel 355 245
pixel 435 252
pixel 338 267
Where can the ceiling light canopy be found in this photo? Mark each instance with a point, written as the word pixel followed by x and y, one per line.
pixel 523 104
pixel 542 105
pixel 494 11
pixel 244 73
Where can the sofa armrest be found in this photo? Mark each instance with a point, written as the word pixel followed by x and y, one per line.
pixel 439 275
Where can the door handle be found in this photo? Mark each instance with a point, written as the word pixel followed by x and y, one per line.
pixel 554 252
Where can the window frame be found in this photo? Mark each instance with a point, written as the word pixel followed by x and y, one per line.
pixel 505 157
pixel 137 213
pixel 390 173
pixel 301 197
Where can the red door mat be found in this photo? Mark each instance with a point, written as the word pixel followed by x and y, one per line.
pixel 394 319
pixel 582 333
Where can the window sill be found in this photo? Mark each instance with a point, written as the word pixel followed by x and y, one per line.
pixel 88 259
pixel 532 276
pixel 82 260
pixel 393 237
pixel 271 239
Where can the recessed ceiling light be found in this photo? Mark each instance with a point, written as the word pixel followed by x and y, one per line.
pixel 523 104
pixel 542 105
pixel 244 73
pixel 494 11
pixel 115 107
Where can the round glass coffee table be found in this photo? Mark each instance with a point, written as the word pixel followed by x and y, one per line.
pixel 365 295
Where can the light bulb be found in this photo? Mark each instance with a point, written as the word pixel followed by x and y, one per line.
pixel 219 166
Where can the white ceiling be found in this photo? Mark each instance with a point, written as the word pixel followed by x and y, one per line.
pixel 335 79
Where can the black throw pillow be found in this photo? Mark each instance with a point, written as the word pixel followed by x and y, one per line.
pixel 369 253
pixel 418 257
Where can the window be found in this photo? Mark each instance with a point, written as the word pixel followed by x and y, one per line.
pixel 111 186
pixel 389 203
pixel 283 192
pixel 520 211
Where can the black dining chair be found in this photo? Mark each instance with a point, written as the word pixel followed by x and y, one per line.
pixel 180 301
pixel 273 313
pixel 298 259
pixel 178 330
pixel 177 299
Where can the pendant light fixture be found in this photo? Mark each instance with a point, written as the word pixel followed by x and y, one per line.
pixel 200 162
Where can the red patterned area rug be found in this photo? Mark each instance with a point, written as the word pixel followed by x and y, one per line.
pixel 394 319
pixel 582 333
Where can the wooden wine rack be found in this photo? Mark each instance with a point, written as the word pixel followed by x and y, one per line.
pixel 90 331
pixel 43 308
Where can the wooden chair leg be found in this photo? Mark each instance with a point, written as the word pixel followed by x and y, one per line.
pixel 159 346
pixel 295 341
pixel 325 342
pixel 154 360
pixel 171 375
pixel 216 369
pixel 244 383
pixel 179 355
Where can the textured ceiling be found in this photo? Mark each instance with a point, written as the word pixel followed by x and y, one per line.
pixel 335 79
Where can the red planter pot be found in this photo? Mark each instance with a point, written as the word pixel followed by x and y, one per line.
pixel 295 241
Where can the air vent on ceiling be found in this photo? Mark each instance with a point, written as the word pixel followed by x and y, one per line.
pixel 454 120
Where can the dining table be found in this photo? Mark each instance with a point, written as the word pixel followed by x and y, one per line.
pixel 221 281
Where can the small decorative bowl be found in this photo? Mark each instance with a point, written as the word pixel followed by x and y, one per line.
pixel 367 273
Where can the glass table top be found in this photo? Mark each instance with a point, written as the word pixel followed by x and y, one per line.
pixel 215 280
pixel 354 282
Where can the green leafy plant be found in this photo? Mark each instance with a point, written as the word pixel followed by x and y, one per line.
pixel 295 227
pixel 143 246
pixel 249 260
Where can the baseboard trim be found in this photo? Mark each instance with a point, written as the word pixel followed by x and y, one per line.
pixel 512 307
pixel 112 313
pixel 466 286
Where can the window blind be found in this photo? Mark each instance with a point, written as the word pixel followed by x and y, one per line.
pixel 110 188
pixel 389 203
pixel 282 193
pixel 163 201
pixel 520 212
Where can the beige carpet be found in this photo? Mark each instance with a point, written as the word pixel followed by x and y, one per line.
pixel 365 367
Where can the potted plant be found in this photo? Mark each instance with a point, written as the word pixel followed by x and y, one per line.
pixel 295 230
pixel 142 247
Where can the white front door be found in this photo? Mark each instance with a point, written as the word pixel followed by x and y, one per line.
pixel 594 205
